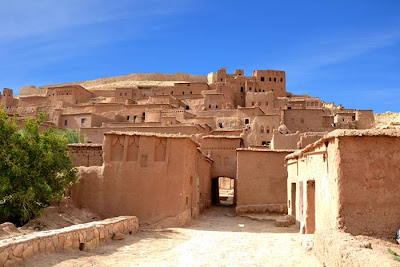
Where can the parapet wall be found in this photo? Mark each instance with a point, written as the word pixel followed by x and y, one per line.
pixel 86 154
pixel 82 236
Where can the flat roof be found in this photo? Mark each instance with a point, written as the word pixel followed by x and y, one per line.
pixel 256 149
pixel 346 133
pixel 152 134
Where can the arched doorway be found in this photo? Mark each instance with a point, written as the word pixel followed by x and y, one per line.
pixel 223 191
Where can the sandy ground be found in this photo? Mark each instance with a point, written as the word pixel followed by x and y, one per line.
pixel 56 216
pixel 214 239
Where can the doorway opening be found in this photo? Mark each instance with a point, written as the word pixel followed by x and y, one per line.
pixel 223 191
pixel 310 213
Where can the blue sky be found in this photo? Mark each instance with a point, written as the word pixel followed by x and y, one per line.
pixel 347 52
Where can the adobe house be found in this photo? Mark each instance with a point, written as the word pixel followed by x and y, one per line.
pixel 261 180
pixel 349 181
pixel 150 175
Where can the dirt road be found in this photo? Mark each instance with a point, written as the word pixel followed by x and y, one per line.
pixel 214 239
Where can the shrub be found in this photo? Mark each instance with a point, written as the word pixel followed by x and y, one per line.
pixel 34 168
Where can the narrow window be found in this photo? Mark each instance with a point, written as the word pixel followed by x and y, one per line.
pixel 249 88
pixel 127 118
pixel 252 103
pixel 65 123
pixel 262 129
pixel 209 106
pixel 241 89
pixel 83 120
pixel 221 79
pixel 246 121
pixel 274 79
pixel 269 78
pixel 267 129
pixel 216 106
pixel 183 93
pixel 187 108
pixel 190 92
pixel 262 79
pixel 281 79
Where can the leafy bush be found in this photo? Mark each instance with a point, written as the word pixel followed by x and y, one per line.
pixel 75 137
pixel 34 168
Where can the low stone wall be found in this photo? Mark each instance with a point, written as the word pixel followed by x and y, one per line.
pixel 266 208
pixel 82 236
pixel 334 248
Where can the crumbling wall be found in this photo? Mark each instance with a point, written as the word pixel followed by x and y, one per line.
pixel 369 185
pixel 86 154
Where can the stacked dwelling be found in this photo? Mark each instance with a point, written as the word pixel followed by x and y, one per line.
pixel 158 150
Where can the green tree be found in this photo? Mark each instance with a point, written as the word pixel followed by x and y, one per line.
pixel 34 168
pixel 75 137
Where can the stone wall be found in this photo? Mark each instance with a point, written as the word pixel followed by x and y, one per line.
pixel 86 154
pixel 82 236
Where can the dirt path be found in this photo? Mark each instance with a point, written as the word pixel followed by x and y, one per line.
pixel 215 239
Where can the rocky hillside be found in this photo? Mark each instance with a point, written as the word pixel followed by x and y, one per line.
pixel 387 120
pixel 139 79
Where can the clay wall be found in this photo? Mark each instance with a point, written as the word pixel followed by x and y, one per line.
pixel 214 101
pixel 156 177
pixel 222 150
pixel 270 80
pixel 313 197
pixel 96 134
pixel 86 154
pixel 260 99
pixel 365 119
pixel 204 173
pixel 261 180
pixel 368 185
pixel 284 141
pixel 189 89
pixel 305 120
pixel 261 130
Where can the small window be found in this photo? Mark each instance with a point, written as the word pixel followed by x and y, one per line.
pixel 262 79
pixel 172 92
pixel 183 93
pixel 209 106
pixel 252 103
pixel 274 79
pixel 263 90
pixel 144 114
pixel 221 79
pixel 262 129
pixel 289 107
pixel 241 89
pixel 127 118
pixel 216 106
pixel 190 92
pixel 187 107
pixel 65 123
pixel 267 130
pixel 249 88
pixel 83 120
pixel 264 143
pixel 269 78
pixel 246 121
pixel 281 79
pixel 126 94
